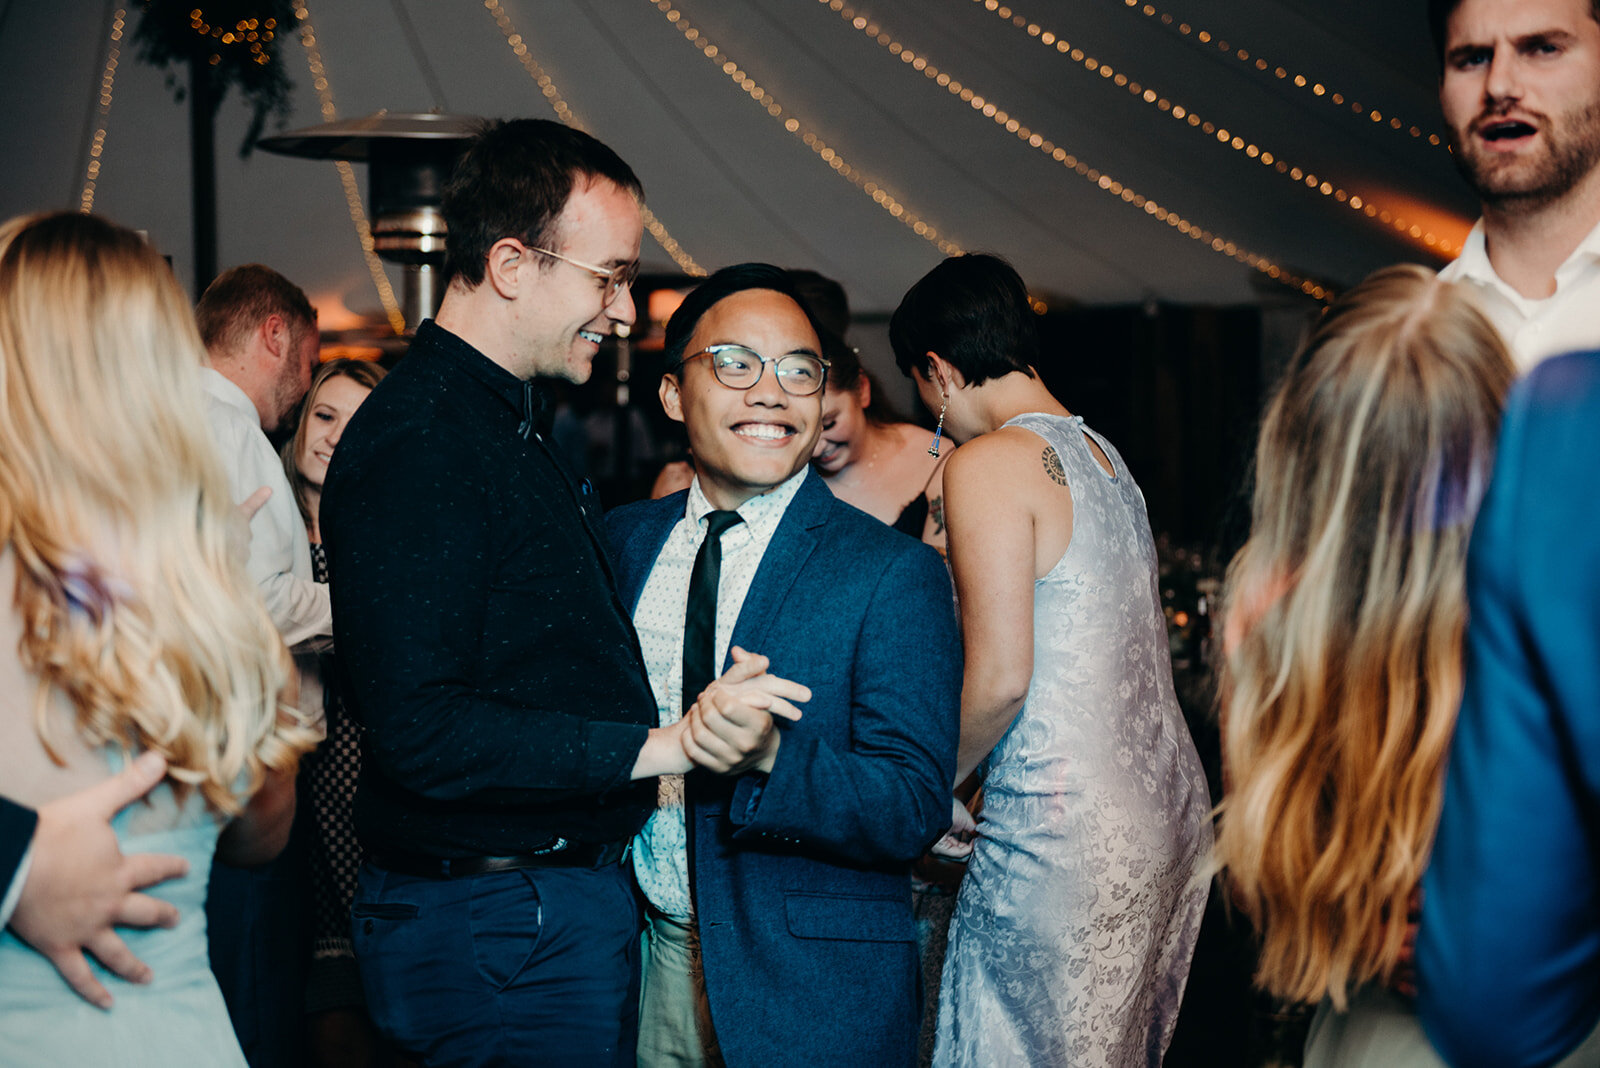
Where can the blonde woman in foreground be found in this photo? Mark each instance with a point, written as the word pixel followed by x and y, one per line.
pixel 1345 615
pixel 129 626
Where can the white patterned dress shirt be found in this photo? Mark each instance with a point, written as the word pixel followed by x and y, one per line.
pixel 660 851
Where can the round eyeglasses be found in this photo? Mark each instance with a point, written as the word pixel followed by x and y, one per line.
pixel 614 279
pixel 800 374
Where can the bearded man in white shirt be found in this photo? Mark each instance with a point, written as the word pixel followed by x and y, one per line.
pixel 1520 91
pixel 261 340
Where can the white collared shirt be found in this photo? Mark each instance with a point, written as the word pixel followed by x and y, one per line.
pixel 1566 321
pixel 280 554
pixel 660 851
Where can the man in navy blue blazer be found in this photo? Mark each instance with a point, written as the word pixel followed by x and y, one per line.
pixel 781 929
pixel 1508 955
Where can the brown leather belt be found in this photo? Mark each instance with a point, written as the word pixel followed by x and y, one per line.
pixel 560 855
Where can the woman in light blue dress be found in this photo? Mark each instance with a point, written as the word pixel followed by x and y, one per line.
pixel 1077 920
pixel 129 626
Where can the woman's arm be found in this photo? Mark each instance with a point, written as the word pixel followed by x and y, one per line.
pixel 261 831
pixel 990 487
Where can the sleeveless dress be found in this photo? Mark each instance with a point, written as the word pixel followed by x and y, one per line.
pixel 1078 916
pixel 178 1018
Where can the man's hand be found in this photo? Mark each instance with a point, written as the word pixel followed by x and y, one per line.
pixel 79 885
pixel 730 728
pixel 239 530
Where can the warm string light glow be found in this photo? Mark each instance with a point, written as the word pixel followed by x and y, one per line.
pixel 1299 81
pixel 97 146
pixel 1298 175
pixel 826 152
pixel 1000 117
pixel 347 177
pixel 254 34
pixel 547 87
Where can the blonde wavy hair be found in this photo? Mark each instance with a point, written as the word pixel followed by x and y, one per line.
pixel 119 515
pixel 1347 607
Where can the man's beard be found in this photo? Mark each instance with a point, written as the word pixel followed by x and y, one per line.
pixel 1570 151
pixel 286 398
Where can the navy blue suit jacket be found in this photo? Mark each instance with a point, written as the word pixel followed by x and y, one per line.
pixel 1509 950
pixel 800 877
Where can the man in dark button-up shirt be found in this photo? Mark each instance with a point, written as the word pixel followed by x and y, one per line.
pixel 507 712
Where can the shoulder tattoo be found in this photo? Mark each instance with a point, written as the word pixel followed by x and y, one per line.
pixel 1052 466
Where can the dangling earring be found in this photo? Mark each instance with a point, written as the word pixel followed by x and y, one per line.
pixel 933 450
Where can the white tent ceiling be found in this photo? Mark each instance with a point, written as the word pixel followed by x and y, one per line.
pixel 730 182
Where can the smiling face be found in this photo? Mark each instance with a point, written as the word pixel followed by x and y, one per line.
pixel 844 425
pixel 336 401
pixel 563 314
pixel 1521 96
pixel 745 442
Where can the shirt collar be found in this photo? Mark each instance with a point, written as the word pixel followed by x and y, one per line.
pixel 531 400
pixel 223 388
pixel 760 514
pixel 1473 264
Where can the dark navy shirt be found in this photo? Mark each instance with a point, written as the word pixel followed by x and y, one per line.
pixel 477 622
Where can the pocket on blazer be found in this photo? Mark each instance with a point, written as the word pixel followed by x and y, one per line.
pixel 849 917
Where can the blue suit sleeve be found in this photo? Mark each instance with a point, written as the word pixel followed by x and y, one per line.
pixel 17 824
pixel 1509 949
pixel 886 796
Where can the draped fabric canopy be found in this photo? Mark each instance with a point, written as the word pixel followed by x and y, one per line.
pixel 1115 150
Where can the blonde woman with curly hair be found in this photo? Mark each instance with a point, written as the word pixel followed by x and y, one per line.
pixel 131 625
pixel 1345 614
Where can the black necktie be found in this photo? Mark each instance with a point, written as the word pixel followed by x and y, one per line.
pixel 700 622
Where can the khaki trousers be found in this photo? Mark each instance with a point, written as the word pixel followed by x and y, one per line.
pixel 674 1016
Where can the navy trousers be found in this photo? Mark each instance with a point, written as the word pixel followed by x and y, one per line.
pixel 537 966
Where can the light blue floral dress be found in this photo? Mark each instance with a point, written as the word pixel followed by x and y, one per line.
pixel 1077 920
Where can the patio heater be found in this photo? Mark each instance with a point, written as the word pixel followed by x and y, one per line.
pixel 409 157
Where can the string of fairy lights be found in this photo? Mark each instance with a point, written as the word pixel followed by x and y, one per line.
pixel 1298 80
pixel 547 88
pixel 1300 176
pixel 347 177
pixel 737 74
pixel 1071 162
pixel 97 144
pixel 1229 138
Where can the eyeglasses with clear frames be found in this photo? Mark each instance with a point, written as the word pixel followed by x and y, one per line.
pixel 799 374
pixel 616 278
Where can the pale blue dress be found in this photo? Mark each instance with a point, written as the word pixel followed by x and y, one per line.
pixel 178 1018
pixel 1077 920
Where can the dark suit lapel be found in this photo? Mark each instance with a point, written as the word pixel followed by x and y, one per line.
pixel 792 545
pixel 637 554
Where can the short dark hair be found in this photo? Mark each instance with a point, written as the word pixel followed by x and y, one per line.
pixel 514 181
pixel 717 288
pixel 241 298
pixel 1439 12
pixel 972 310
pixel 825 299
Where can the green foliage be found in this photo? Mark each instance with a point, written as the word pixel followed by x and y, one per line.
pixel 239 42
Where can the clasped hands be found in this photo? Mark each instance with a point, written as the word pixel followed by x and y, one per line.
pixel 730 728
